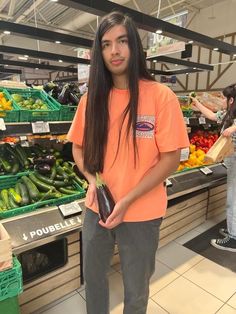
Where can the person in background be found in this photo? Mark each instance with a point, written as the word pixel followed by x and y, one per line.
pixel 227 118
pixel 129 129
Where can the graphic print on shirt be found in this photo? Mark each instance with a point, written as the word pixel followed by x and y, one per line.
pixel 145 126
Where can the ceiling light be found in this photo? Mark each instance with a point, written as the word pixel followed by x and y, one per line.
pixel 22 58
pixel 36 68
pixel 153 74
pixel 60 60
pixel 6 65
pixel 7 32
pixel 176 65
pixel 190 42
pixel 234 55
pixel 26 56
pixel 57 42
pixel 159 31
pixel 186 73
pixel 154 60
pixel 54 0
pixel 195 68
pixel 216 49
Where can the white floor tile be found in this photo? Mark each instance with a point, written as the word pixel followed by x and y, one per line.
pixel 162 277
pixel 232 301
pixel 73 305
pixel 183 297
pixel 178 257
pixel 187 236
pixel 154 308
pixel 219 281
pixel 226 309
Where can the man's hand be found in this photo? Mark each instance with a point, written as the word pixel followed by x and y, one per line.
pixel 116 216
pixel 229 131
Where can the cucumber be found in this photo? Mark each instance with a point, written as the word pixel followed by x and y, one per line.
pixel 5 198
pixel 23 191
pixel 14 195
pixel 31 187
pixel 40 184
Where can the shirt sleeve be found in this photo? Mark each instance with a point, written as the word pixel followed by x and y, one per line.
pixel 76 131
pixel 171 131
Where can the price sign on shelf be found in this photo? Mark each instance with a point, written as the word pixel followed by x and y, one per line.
pixel 2 125
pixel 186 120
pixel 70 209
pixel 202 120
pixel 184 154
pixel 206 170
pixel 40 127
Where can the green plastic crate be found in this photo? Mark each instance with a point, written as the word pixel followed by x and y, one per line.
pixel 10 115
pixel 26 115
pixel 11 281
pixel 8 181
pixel 28 208
pixel 10 306
pixel 66 112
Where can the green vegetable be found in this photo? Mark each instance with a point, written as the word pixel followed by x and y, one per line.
pixel 40 184
pixel 15 196
pixel 5 198
pixel 31 187
pixel 21 188
pixel 12 203
pixel 5 164
pixel 68 191
pixel 50 181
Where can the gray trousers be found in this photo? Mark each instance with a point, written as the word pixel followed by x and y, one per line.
pixel 231 195
pixel 137 243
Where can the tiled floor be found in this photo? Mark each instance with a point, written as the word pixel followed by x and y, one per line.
pixel 184 283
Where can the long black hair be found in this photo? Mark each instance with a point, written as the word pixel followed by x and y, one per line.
pixel 229 92
pixel 100 85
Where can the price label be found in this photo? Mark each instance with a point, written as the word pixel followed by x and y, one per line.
pixel 25 144
pixel 168 182
pixel 202 120
pixel 186 120
pixel 206 171
pixel 23 138
pixel 70 209
pixel 184 154
pixel 2 125
pixel 40 127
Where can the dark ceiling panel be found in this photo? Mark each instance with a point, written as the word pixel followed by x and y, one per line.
pixel 42 55
pixel 191 64
pixel 44 34
pixel 40 66
pixel 150 23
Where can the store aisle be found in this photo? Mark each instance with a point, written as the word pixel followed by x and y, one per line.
pixel 184 283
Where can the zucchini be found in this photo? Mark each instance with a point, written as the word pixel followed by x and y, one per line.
pixel 31 187
pixel 53 172
pixel 12 203
pixel 14 195
pixel 5 164
pixel 23 156
pixel 9 149
pixel 15 167
pixel 47 180
pixel 50 195
pixel 2 206
pixel 61 172
pixel 23 191
pixel 68 191
pixel 40 184
pixel 5 198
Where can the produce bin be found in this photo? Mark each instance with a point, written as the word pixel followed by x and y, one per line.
pixel 11 281
pixel 10 115
pixel 5 249
pixel 27 115
pixel 10 306
pixel 28 208
pixel 66 112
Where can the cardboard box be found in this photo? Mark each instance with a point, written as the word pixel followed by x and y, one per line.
pixel 5 249
pixel 222 148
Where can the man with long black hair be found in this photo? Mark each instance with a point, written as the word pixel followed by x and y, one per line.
pixel 129 129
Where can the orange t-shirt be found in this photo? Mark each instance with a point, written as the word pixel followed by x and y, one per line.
pixel 160 128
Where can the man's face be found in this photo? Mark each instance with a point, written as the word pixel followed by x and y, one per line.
pixel 115 50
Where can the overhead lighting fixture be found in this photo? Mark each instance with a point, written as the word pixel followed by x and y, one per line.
pixel 215 49
pixel 155 61
pixel 190 42
pixel 176 65
pixel 7 32
pixel 54 0
pixel 234 55
pixel 57 42
pixel 22 58
pixel 186 73
pixel 195 68
pixel 60 60
pixel 6 65
pixel 36 68
pixel 159 31
pixel 26 56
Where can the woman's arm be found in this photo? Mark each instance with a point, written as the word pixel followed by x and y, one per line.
pixel 207 112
